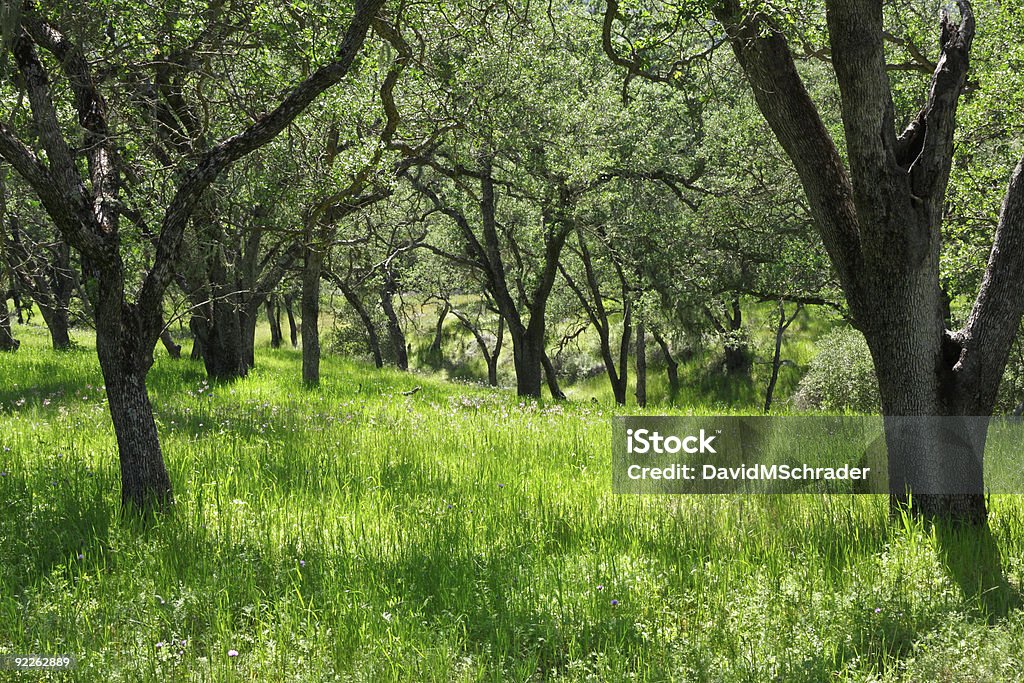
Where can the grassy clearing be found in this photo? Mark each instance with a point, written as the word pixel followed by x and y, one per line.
pixel 353 533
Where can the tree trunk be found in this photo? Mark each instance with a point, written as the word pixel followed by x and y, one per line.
pixel 7 340
pixel 396 336
pixel 372 340
pixel 145 484
pixel 671 365
pixel 935 452
pixel 248 317
pixel 780 330
pixel 434 355
pixel 173 349
pixel 222 345
pixel 641 365
pixel 56 320
pixel 527 357
pixel 492 359
pixel 552 377
pixel 879 210
pixel 293 330
pixel 274 316
pixel 198 330
pixel 125 356
pixel 737 353
pixel 311 316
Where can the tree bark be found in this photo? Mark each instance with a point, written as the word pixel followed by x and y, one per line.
pixel 527 358
pixel 7 340
pixel 434 354
pixel 293 330
pixel 372 340
pixel 737 353
pixel 780 330
pixel 195 326
pixel 173 349
pixel 274 316
pixel 312 266
pixel 492 359
pixel 396 336
pixel 248 317
pixel 641 365
pixel 671 365
pixel 552 378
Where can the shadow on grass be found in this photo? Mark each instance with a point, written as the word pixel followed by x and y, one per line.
pixel 971 556
pixel 52 517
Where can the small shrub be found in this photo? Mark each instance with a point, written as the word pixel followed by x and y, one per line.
pixel 841 377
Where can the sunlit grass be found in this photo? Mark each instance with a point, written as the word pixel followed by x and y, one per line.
pixel 355 533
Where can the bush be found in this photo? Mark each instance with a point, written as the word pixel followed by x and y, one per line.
pixel 841 377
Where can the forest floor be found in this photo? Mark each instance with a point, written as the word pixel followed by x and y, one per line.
pixel 455 534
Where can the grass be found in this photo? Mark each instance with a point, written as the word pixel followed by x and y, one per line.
pixel 458 534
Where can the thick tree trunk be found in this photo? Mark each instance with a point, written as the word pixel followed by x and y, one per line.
pixel 879 212
pixel 641 365
pixel 935 451
pixel 396 336
pixel 293 330
pixel 274 316
pixel 56 320
pixel 145 484
pixel 222 347
pixel 527 357
pixel 125 356
pixel 224 353
pixel 248 317
pixel 311 316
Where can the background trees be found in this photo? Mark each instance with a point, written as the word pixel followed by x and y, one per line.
pixel 636 185
pixel 85 201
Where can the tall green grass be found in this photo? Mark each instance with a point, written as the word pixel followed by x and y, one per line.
pixel 354 533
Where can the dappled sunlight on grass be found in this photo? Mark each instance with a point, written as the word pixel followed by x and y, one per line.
pixel 457 533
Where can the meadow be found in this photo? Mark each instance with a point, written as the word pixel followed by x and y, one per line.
pixel 356 533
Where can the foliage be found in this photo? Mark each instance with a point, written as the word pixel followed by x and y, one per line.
pixel 841 377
